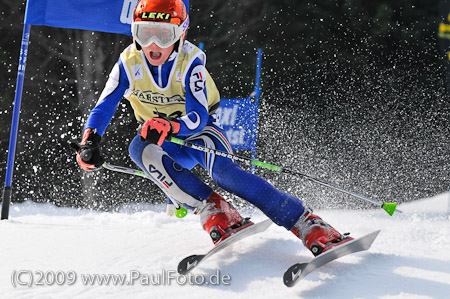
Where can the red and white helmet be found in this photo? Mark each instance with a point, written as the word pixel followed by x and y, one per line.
pixel 163 22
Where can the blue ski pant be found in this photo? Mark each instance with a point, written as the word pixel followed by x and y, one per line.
pixel 169 167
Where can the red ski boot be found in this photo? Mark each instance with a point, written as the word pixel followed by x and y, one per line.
pixel 220 219
pixel 317 235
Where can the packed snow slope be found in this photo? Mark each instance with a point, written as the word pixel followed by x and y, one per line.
pixel 59 248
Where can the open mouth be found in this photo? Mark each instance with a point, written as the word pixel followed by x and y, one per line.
pixel 155 55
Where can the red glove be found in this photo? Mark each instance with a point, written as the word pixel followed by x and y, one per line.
pixel 88 152
pixel 156 130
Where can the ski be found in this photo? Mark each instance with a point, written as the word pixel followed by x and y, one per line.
pixel 190 262
pixel 297 272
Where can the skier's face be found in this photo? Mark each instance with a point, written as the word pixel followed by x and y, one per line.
pixel 156 55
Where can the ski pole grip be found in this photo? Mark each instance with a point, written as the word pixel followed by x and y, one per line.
pixel 86 155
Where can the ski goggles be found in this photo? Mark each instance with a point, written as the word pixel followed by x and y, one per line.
pixel 162 34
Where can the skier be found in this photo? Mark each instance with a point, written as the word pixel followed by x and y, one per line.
pixel 164 78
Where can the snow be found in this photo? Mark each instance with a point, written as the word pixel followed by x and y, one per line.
pixel 409 259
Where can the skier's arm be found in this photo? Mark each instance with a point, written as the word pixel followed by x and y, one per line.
pixel 88 152
pixel 156 130
pixel 107 104
pixel 197 114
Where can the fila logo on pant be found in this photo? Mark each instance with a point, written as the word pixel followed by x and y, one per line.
pixel 159 176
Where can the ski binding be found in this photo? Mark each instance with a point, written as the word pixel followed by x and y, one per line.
pixel 297 272
pixel 190 262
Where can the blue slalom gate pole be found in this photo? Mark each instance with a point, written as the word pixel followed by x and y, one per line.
pixel 15 121
pixel 256 93
pixel 258 74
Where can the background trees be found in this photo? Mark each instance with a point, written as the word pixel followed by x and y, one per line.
pixel 354 92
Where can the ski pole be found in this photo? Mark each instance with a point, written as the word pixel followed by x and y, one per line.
pixel 180 211
pixel 388 207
